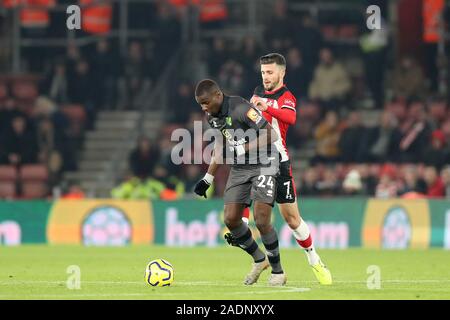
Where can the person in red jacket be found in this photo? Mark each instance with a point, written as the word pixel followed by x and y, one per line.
pixel 435 186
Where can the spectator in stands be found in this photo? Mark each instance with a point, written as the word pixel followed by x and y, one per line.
pixel 387 186
pixel 248 56
pixel 143 159
pixel 297 76
pixel 278 31
pixel 55 85
pixel 435 185
pixel 104 67
pixel 74 192
pixel 329 184
pixel 73 56
pixel 352 185
pixel 45 108
pixel 308 38
pixel 350 142
pixel 327 136
pixel 331 83
pixel 231 77
pixel 167 29
pixel 135 81
pixel 408 79
pixel 412 183
pixel 445 176
pixel 81 88
pixel 308 186
pixel 381 143
pixel 436 155
pixel 183 99
pixel 415 134
pixel 19 143
pixel 369 181
pixel 437 111
pixel 50 143
pixel 8 111
pixel 218 53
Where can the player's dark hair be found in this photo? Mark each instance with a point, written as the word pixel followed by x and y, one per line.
pixel 206 86
pixel 273 58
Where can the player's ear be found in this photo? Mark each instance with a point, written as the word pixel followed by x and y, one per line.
pixel 283 71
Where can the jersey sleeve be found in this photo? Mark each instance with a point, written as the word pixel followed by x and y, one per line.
pixel 249 115
pixel 286 111
pixel 287 101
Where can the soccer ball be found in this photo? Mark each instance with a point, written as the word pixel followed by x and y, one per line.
pixel 159 273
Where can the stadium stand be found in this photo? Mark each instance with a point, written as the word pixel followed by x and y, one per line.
pixel 390 116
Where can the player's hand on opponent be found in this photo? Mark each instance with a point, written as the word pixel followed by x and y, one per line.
pixel 259 103
pixel 203 185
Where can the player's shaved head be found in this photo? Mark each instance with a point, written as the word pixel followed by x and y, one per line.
pixel 206 86
pixel 276 58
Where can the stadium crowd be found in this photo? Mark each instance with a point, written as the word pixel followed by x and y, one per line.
pixel 404 152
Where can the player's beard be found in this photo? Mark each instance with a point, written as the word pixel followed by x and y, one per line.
pixel 272 85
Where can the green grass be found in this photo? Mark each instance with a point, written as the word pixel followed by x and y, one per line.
pixel 39 272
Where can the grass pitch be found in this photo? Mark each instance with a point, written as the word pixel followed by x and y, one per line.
pixel 40 272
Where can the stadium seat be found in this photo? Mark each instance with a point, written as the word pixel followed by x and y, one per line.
pixel 8 173
pixel 3 91
pixel 34 190
pixel 24 89
pixel 348 31
pixel 7 189
pixel 34 172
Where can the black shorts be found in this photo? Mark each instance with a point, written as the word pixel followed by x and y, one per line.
pixel 286 192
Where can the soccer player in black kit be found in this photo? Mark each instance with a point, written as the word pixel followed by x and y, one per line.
pixel 243 138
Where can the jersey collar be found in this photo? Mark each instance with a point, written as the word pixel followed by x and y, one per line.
pixel 275 91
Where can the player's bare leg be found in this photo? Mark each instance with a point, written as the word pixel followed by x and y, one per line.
pixel 262 214
pixel 243 239
pixel 300 229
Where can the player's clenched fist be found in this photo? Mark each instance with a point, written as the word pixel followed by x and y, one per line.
pixel 203 185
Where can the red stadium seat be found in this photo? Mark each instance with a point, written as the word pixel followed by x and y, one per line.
pixel 34 172
pixel 7 189
pixel 24 89
pixel 348 31
pixel 34 190
pixel 8 173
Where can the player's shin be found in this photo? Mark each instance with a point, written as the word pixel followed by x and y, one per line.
pixel 243 237
pixel 270 241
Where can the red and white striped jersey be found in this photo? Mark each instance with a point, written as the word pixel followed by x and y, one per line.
pixel 281 113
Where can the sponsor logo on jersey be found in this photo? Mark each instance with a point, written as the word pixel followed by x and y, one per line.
pixel 253 115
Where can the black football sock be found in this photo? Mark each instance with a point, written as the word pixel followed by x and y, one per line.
pixel 270 241
pixel 244 239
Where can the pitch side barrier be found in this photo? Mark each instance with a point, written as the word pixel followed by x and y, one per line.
pixel 334 223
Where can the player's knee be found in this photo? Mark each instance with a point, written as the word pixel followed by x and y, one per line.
pixel 231 222
pixel 263 226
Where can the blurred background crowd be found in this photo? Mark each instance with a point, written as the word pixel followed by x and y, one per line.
pixel 373 116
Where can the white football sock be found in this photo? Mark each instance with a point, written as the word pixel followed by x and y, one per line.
pixel 302 235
